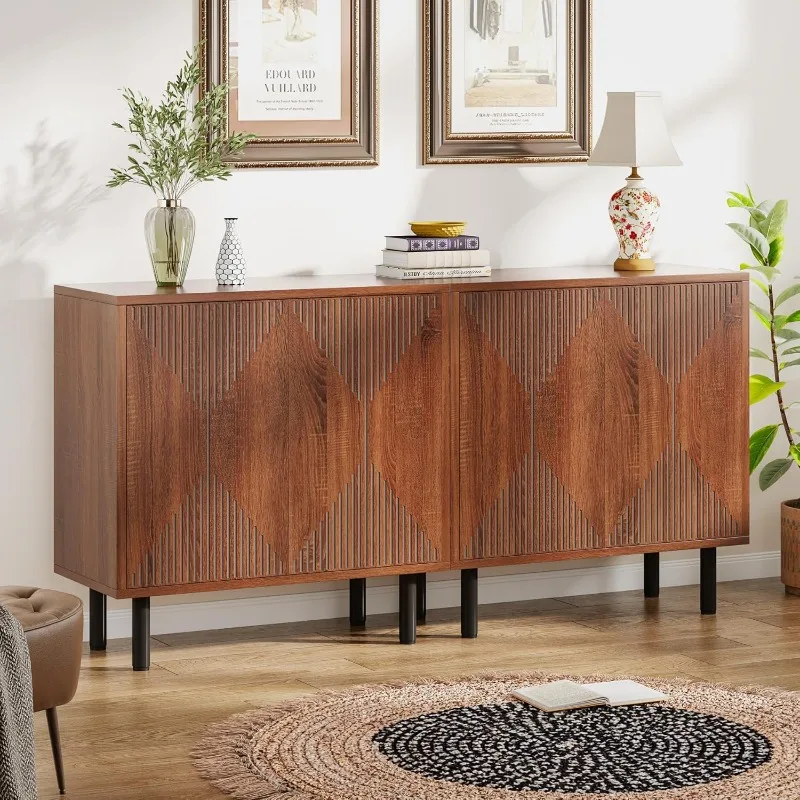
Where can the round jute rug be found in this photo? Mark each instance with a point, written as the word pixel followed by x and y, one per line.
pixel 467 738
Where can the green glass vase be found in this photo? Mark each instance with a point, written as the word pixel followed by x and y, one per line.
pixel 169 231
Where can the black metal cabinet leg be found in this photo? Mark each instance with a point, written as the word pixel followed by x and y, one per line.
pixel 651 576
pixel 469 603
pixel 97 620
pixel 708 580
pixel 408 609
pixel 358 602
pixel 141 634
pixel 422 596
pixel 55 744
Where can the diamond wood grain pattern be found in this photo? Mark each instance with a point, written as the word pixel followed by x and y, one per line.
pixel 494 423
pixel 625 449
pixel 708 415
pixel 290 472
pixel 286 436
pixel 410 403
pixel 166 450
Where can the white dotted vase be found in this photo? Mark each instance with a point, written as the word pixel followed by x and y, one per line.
pixel 231 266
pixel 634 213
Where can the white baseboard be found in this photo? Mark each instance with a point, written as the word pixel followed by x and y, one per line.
pixel 444 593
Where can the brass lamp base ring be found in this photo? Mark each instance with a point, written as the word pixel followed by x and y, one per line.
pixel 634 265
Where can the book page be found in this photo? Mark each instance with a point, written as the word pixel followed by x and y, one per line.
pixel 559 695
pixel 626 693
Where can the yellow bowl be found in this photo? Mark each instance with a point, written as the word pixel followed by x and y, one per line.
pixel 438 228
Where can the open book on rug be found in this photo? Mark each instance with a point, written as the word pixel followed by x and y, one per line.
pixel 566 695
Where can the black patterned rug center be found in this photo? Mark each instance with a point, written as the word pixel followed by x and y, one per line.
pixel 514 746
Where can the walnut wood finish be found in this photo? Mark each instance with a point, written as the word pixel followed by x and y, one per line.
pixel 280 438
pixel 615 402
pixel 311 430
pixel 89 443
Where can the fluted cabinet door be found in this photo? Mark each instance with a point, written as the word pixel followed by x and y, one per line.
pixel 601 419
pixel 281 438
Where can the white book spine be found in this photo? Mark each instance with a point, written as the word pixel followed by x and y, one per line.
pixel 438 259
pixel 401 273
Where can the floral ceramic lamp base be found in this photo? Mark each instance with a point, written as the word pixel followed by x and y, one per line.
pixel 634 213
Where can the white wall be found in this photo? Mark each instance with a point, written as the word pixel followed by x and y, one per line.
pixel 727 68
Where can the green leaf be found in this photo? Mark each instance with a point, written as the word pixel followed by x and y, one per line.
pixel 750 194
pixel 761 285
pixel 762 387
pixel 787 333
pixel 775 221
pixel 791 351
pixel 756 353
pixel 760 443
pixel 770 273
pixel 773 472
pixel 740 200
pixel 762 315
pixel 786 364
pixel 787 294
pixel 794 452
pixel 776 251
pixel 753 237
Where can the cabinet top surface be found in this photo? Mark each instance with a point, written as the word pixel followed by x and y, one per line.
pixel 365 284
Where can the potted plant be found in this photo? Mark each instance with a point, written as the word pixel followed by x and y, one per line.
pixel 176 145
pixel 763 233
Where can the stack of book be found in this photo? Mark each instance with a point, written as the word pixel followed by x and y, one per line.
pixel 420 257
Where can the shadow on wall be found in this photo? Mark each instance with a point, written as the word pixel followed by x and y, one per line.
pixel 42 198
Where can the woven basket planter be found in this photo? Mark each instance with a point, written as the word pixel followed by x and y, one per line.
pixel 790 545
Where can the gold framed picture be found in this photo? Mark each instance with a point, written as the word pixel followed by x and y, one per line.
pixel 301 75
pixel 506 81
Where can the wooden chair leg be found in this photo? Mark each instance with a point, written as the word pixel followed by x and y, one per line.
pixel 55 743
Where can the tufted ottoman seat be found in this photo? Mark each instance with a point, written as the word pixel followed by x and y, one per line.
pixel 53 624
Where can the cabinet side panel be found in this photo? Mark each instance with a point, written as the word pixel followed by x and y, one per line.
pixel 87 431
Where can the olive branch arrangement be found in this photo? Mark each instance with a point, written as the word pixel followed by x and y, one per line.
pixel 764 234
pixel 177 143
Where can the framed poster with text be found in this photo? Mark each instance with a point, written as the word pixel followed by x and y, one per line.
pixel 302 78
pixel 506 81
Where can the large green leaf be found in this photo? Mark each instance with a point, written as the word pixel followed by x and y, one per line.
pixel 787 294
pixel 772 227
pixel 761 314
pixel 770 273
pixel 776 251
pixel 773 472
pixel 760 443
pixel 753 237
pixel 762 387
pixel 756 353
pixel 737 200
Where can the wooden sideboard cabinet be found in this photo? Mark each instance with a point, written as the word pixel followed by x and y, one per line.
pixel 346 427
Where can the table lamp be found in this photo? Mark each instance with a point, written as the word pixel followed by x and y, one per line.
pixel 634 135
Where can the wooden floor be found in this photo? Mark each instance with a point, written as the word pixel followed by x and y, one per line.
pixel 127 735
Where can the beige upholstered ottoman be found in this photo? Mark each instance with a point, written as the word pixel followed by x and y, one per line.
pixel 53 624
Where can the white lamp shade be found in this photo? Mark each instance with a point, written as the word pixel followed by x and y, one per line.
pixel 634 133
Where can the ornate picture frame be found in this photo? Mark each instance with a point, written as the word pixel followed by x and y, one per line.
pixel 506 82
pixel 304 84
